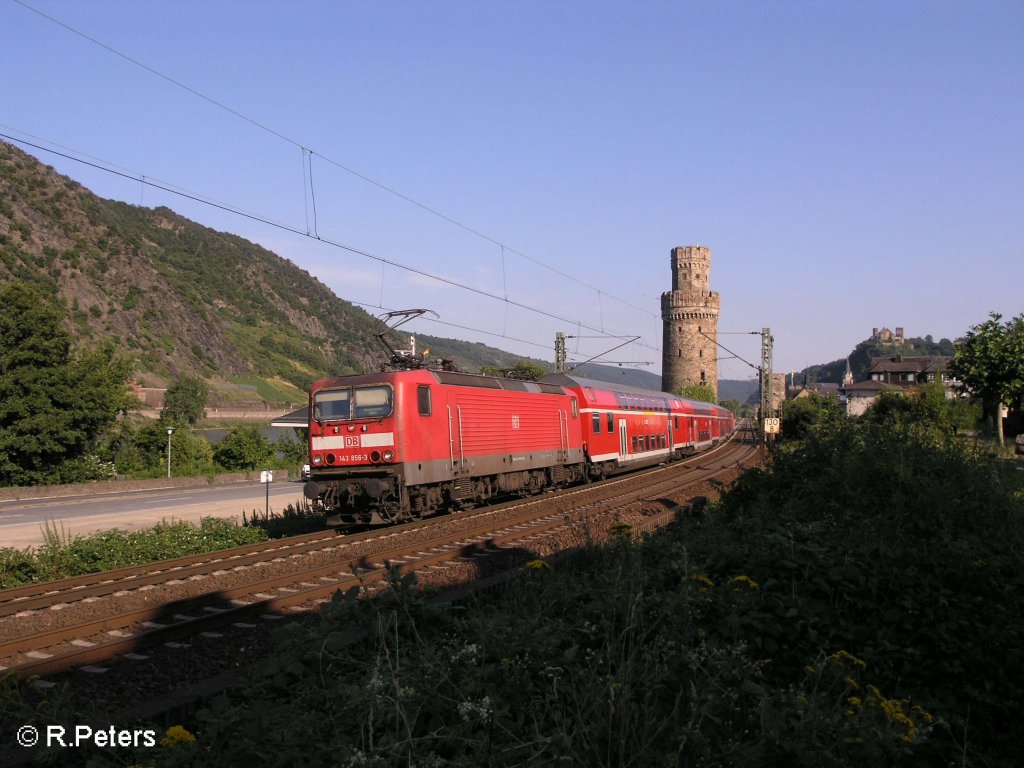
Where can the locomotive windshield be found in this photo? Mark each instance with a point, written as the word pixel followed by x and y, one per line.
pixel 349 403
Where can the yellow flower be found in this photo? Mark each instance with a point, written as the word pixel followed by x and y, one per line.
pixel 926 715
pixel 177 734
pixel 746 580
pixel 910 730
pixel 705 582
pixel 851 682
pixel 841 656
pixel 537 565
pixel 855 701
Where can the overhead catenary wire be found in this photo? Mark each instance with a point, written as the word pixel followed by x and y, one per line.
pixel 327 241
pixel 380 306
pixel 341 166
pixel 455 325
pixel 107 165
pixel 448 324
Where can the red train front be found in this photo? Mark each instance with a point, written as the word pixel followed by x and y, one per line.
pixel 396 445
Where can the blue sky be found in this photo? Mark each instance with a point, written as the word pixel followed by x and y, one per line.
pixel 850 164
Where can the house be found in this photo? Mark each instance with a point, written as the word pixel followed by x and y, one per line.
pixel 904 371
pixel 860 395
pixel 899 373
pixel 823 388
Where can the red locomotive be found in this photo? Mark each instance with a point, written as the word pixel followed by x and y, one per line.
pixel 403 444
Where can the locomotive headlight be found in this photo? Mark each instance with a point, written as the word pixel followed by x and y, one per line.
pixel 318 460
pixel 389 455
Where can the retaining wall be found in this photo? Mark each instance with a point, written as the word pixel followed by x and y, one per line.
pixel 120 486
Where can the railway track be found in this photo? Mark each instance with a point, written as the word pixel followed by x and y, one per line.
pixel 50 628
pixel 35 596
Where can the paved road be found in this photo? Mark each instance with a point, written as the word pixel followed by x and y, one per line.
pixel 21 521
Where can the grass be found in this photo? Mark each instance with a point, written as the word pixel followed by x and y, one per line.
pixel 63 556
pixel 292 521
pixel 858 602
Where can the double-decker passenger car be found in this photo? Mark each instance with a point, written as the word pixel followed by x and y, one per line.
pixel 627 427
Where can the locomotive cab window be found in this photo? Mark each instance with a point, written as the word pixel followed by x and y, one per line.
pixel 423 399
pixel 332 404
pixel 345 404
pixel 575 409
pixel 372 402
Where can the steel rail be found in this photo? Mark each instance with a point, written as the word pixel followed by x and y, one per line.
pixel 45 594
pixel 366 569
pixel 41 594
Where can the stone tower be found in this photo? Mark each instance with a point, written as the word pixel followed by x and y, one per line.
pixel 690 314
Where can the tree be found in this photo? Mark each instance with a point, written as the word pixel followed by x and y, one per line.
pixel 295 452
pixel 243 448
pixel 925 411
pixel 185 402
pixel 191 455
pixel 990 363
pixel 54 402
pixel 732 404
pixel 801 415
pixel 697 392
pixel 523 370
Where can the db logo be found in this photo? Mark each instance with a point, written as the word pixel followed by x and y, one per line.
pixel 351 442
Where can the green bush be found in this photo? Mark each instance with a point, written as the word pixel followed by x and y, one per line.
pixel 244 448
pixel 899 547
pixel 857 602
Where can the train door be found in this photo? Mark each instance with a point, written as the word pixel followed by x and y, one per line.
pixel 623 441
pixel 455 446
pixel 671 441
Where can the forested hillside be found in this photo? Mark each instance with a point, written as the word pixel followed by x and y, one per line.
pixel 176 297
pixel 179 299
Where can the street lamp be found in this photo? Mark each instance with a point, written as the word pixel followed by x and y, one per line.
pixel 170 431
